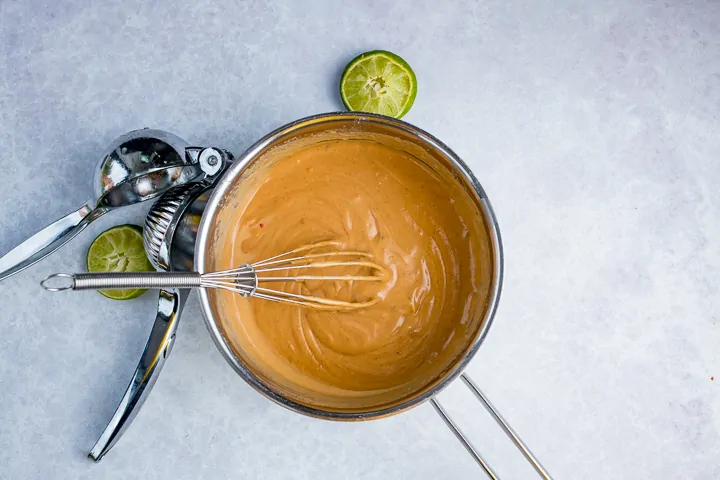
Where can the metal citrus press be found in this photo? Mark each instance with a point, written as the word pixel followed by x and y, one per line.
pixel 140 165
pixel 169 240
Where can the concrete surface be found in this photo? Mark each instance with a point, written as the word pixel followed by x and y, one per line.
pixel 593 127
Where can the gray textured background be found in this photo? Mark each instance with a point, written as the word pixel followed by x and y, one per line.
pixel 592 125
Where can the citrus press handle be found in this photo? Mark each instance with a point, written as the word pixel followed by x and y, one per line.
pixel 47 240
pixel 157 349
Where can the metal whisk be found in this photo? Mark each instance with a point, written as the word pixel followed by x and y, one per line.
pixel 246 279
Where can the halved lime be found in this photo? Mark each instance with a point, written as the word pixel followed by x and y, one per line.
pixel 378 82
pixel 119 249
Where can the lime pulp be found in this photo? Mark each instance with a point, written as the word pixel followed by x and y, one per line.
pixel 119 249
pixel 378 82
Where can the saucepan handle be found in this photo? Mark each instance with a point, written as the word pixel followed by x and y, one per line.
pixel 500 421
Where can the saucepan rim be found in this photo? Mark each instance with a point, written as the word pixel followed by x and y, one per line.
pixel 239 165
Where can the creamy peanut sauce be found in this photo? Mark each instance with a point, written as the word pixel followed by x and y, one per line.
pixel 420 225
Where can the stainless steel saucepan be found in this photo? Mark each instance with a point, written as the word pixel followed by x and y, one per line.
pixel 383 129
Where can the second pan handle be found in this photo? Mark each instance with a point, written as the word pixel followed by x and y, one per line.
pixel 500 421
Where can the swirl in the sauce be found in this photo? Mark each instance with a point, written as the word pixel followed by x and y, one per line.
pixel 367 197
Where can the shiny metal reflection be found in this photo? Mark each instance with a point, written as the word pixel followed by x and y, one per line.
pixel 165 226
pixel 138 166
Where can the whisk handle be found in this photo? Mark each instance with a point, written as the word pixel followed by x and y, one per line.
pixel 120 281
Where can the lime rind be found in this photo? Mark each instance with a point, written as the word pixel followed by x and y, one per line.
pixel 378 82
pixel 119 249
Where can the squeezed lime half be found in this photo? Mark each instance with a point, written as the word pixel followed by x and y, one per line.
pixel 119 249
pixel 378 82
